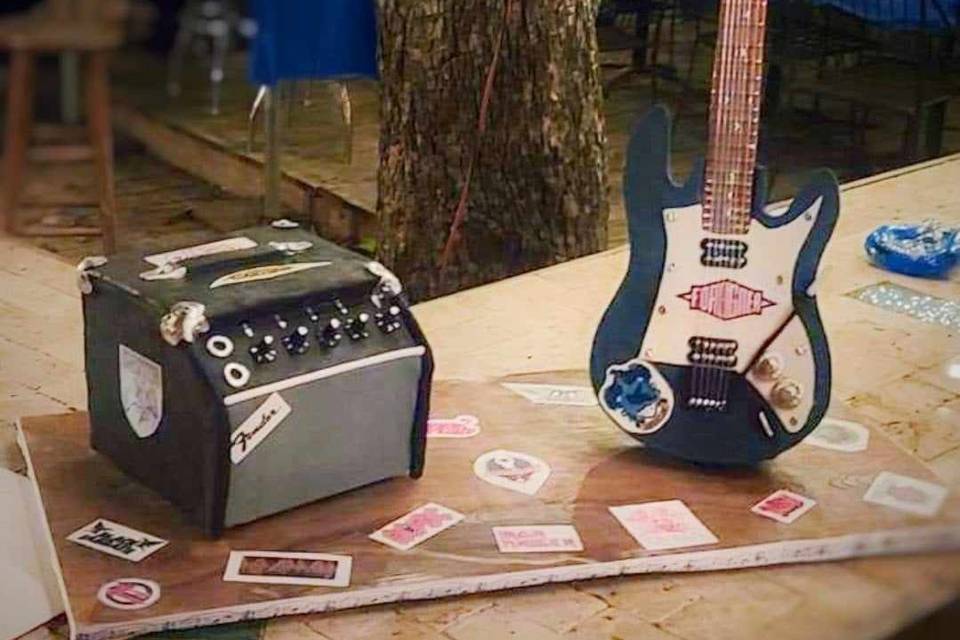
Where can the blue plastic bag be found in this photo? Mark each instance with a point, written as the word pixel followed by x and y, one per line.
pixel 927 250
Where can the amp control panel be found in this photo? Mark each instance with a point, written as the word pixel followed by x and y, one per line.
pixel 254 350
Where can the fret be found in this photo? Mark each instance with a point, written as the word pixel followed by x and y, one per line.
pixel 735 101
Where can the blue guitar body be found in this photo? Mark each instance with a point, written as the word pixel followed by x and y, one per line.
pixel 712 349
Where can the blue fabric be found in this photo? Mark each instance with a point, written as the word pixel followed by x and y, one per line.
pixel 300 39
pixel 929 14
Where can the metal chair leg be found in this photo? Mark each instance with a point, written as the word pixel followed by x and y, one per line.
pixel 181 45
pixel 255 109
pixel 288 94
pixel 70 87
pixel 346 112
pixel 271 164
pixel 220 34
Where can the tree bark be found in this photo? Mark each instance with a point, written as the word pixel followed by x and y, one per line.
pixel 537 190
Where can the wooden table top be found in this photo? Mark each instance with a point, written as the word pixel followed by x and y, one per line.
pixel 890 372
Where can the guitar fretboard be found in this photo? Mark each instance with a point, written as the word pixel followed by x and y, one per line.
pixel 736 94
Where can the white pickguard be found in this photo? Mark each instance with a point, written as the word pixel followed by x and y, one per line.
pixel 771 260
pixel 792 347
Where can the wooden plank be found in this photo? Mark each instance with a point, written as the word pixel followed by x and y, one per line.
pixel 592 469
pixel 50 377
pixel 10 455
pixel 199 157
pixel 38 266
pixel 242 174
pixel 40 318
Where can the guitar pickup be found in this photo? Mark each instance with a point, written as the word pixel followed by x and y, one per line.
pixel 723 252
pixel 712 352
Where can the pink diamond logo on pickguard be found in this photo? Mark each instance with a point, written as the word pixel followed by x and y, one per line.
pixel 726 300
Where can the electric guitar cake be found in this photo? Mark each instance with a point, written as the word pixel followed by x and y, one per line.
pixel 712 349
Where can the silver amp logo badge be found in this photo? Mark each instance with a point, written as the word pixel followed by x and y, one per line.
pixel 726 300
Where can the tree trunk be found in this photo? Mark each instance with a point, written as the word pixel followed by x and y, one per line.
pixel 537 190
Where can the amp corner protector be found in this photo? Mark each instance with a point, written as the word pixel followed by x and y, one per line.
pixel 183 322
pixel 85 269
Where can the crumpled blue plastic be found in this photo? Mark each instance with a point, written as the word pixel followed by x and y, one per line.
pixel 927 250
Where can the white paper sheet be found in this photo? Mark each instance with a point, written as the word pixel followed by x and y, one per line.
pixel 29 595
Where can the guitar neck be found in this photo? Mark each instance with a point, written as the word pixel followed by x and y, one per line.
pixel 736 95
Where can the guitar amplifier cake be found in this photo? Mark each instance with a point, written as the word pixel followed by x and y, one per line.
pixel 250 375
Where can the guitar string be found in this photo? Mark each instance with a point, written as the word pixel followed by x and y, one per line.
pixel 743 160
pixel 730 98
pixel 753 68
pixel 714 190
pixel 733 171
pixel 742 176
pixel 717 174
pixel 737 173
pixel 741 165
pixel 718 139
pixel 725 193
pixel 743 211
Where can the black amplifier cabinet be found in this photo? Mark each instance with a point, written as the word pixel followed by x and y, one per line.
pixel 250 375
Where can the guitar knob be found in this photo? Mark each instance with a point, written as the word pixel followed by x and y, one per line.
pixel 769 366
pixel 786 394
pixel 264 351
pixel 297 342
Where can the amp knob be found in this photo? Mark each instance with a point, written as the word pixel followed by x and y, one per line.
pixel 786 394
pixel 264 351
pixel 389 321
pixel 331 336
pixel 297 342
pixel 357 327
pixel 769 366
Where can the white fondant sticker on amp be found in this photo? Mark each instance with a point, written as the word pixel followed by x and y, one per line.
pixel 141 391
pixel 258 426
pixel 266 272
pixel 200 250
pixel 637 397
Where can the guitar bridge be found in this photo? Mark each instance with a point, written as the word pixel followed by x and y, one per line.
pixel 723 252
pixel 712 360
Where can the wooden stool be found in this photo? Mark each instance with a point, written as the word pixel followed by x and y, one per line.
pixel 26 38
